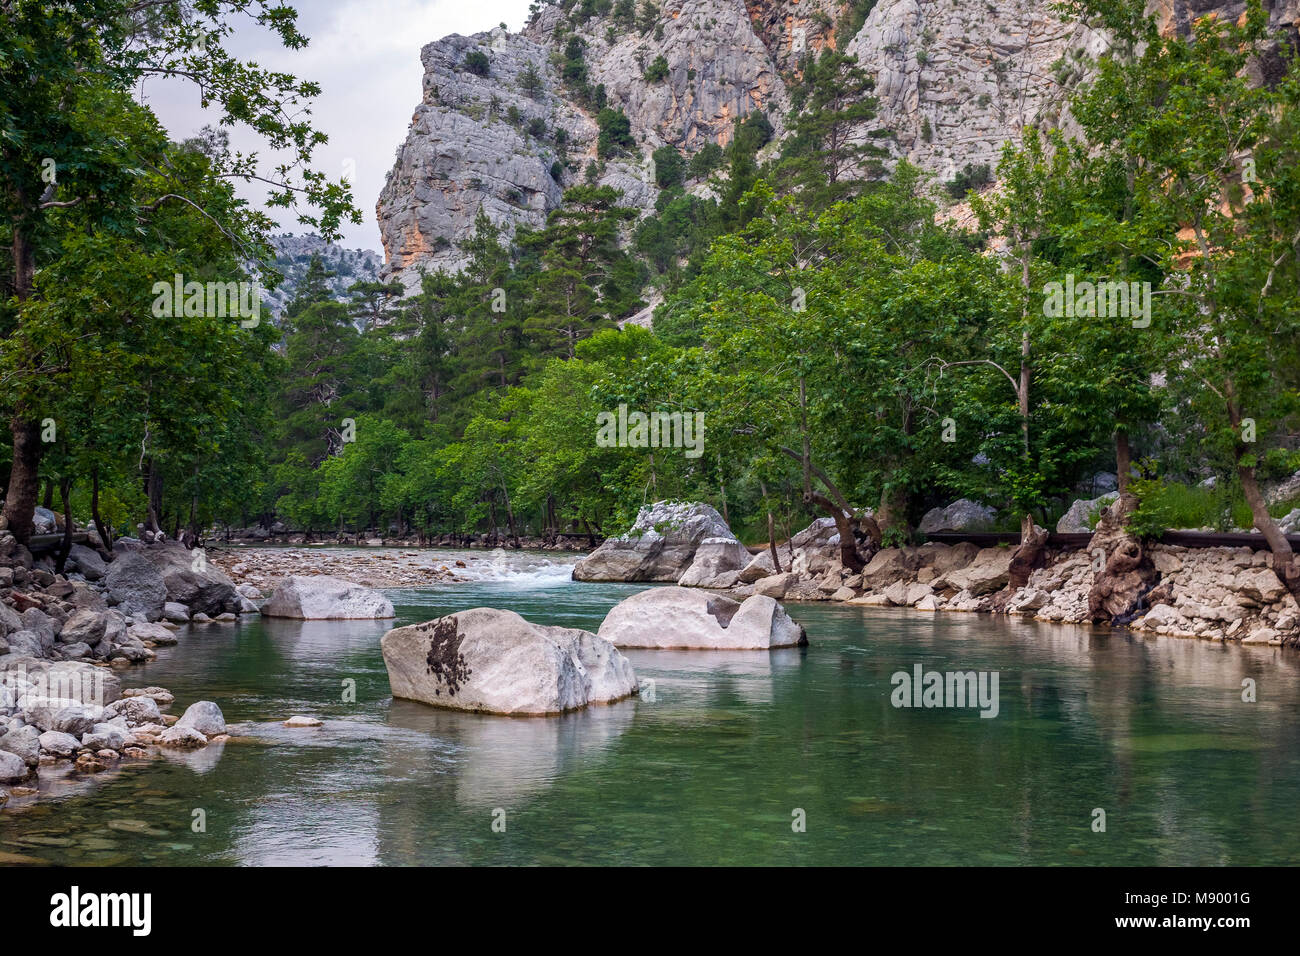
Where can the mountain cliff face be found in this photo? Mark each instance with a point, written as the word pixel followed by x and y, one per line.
pixel 498 129
pixel 293 256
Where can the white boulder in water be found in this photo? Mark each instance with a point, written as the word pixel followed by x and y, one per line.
pixel 323 598
pixel 494 661
pixel 660 545
pixel 677 617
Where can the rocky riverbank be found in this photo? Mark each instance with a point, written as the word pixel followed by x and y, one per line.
pixel 262 568
pixel 67 641
pixel 1225 594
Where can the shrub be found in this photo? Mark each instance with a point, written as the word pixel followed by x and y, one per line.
pixel 530 81
pixel 971 177
pixel 476 61
pixel 668 167
pixel 708 158
pixel 657 71
pixel 615 133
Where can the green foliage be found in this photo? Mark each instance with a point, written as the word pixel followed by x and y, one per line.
pixel 830 151
pixel 968 178
pixel 669 167
pixel 657 71
pixel 706 159
pixel 1172 505
pixel 476 62
pixel 615 138
pixel 530 80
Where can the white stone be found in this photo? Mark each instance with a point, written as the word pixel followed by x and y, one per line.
pixel 494 661
pixel 323 598
pixel 684 618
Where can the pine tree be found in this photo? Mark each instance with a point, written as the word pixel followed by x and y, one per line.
pixel 830 150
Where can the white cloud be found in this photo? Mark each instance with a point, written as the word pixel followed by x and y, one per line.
pixel 365 54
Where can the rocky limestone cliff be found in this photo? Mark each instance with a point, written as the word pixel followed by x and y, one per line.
pixel 955 80
pixel 293 256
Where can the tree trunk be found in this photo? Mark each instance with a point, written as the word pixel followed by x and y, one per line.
pixel 1285 565
pixel 24 478
pixel 893 509
pixel 771 529
pixel 20 501
pixel 65 546
pixel 1029 555
pixel 849 556
pixel 105 539
pixel 153 493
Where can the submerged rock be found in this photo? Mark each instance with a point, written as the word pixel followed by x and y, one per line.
pixel 323 598
pixel 678 617
pixel 494 661
pixel 300 721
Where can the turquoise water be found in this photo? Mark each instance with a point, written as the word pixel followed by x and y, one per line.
pixel 716 769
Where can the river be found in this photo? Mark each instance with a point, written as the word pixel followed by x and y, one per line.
pixel 784 757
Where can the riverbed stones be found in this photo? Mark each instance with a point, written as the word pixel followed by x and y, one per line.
pixel 676 617
pixel 324 598
pixel 59 744
pixel 660 545
pixel 62 714
pixel 182 738
pixel 104 737
pixel 12 768
pixel 494 661
pixel 138 711
pixel 176 613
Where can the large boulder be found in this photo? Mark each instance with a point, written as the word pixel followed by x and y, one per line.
pixel 1076 518
pixel 137 585
pixel 761 566
pixel 205 717
pixel 685 618
pixel 988 572
pixel 85 626
pixel 494 661
pixel 12 768
pixel 198 584
pixel 962 515
pixel 816 549
pixel 717 564
pixel 323 598
pixel 88 562
pixel 660 546
pixel 25 742
pixel 44 521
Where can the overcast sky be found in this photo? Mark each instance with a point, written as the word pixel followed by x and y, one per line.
pixel 365 54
